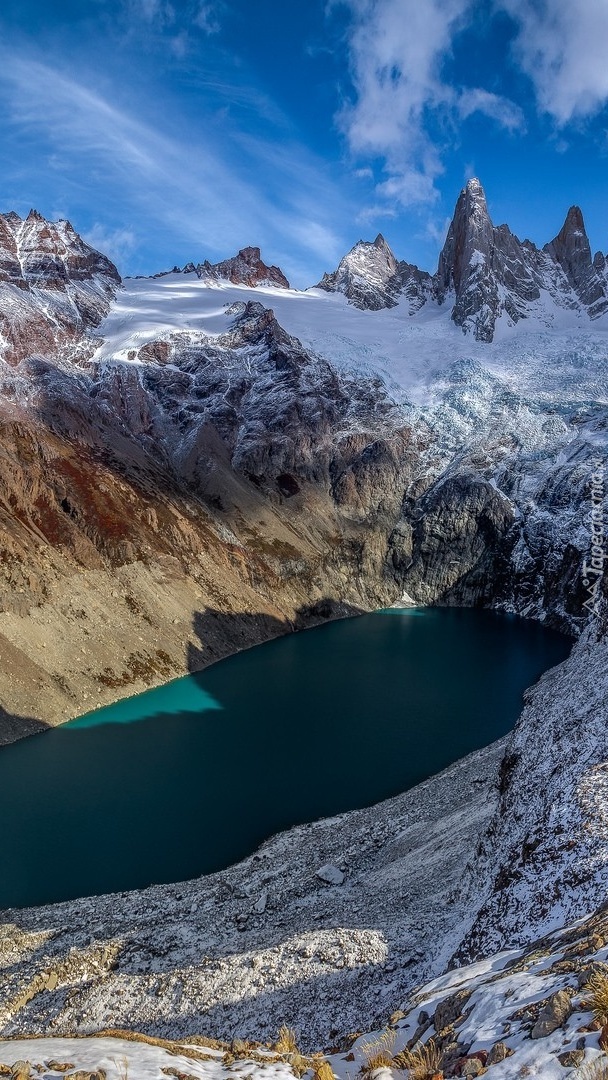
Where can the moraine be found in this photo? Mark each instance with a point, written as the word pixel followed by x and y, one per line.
pixel 193 776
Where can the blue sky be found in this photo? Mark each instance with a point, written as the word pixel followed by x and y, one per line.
pixel 168 131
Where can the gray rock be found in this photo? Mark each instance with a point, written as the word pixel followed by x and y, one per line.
pixel 371 278
pixel 450 1010
pixel 499 1052
pixel 260 905
pixel 587 973
pixel 554 1013
pixel 330 874
pixel 472 1067
pixel 571 250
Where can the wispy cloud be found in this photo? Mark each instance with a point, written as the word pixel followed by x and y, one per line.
pixel 562 46
pixel 186 186
pixel 162 14
pixel 505 112
pixel 117 244
pixel 207 17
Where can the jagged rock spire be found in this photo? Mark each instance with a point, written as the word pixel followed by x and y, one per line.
pixel 572 251
pixel 371 278
pixel 471 231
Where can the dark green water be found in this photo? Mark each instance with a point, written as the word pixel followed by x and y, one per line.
pixel 191 777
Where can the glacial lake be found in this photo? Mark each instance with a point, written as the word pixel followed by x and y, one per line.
pixel 191 777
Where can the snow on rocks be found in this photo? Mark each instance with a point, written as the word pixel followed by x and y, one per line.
pixel 524 1012
pixel 544 859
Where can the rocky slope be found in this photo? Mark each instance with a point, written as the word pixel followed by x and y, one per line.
pixel 532 1011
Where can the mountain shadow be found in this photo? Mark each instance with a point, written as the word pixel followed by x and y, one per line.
pixel 13 727
pixel 222 633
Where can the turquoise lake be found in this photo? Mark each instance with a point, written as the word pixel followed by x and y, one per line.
pixel 189 778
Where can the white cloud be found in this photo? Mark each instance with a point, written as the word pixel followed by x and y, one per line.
pixel 436 231
pixel 397 50
pixel 117 244
pixel 504 112
pixel 371 213
pixel 562 46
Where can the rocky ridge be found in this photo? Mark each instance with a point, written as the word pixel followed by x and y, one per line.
pixel 246 268
pixel 53 287
pixel 484 272
pixel 371 278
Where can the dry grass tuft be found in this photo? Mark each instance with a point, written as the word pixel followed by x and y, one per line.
pixel 597 992
pixel 378 1053
pixel 593 1070
pixel 287 1046
pixel 323 1070
pixel 287 1042
pixel 422 1062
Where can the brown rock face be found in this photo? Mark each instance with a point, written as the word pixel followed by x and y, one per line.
pixel 246 268
pixel 53 286
pixel 184 499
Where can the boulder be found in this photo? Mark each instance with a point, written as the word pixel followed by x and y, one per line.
pixel 330 874
pixel 554 1013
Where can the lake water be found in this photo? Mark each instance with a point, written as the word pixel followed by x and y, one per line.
pixel 191 777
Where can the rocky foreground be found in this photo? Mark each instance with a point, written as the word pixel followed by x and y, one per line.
pixel 329 928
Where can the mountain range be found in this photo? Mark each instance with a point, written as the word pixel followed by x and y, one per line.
pixel 196 461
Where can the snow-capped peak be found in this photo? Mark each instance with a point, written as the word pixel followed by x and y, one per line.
pixel 486 272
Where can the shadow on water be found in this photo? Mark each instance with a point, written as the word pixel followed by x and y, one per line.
pixel 305 726
pixel 231 631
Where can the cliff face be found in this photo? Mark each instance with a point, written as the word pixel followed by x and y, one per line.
pixel 238 475
pixel 53 287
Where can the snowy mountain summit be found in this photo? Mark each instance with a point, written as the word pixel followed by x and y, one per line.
pixel 485 272
pixel 371 278
pixel 53 285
